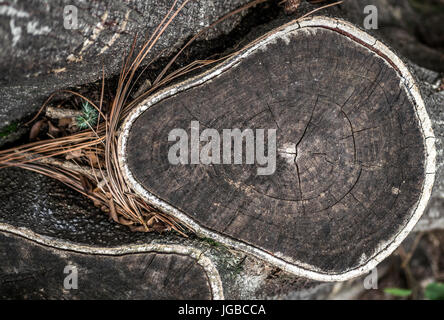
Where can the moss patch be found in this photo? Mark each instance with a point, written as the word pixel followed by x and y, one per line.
pixel 211 242
pixel 11 128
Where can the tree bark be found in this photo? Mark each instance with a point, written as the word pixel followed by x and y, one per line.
pixel 38 55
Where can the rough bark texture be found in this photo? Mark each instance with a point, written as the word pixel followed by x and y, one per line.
pixel 39 56
pixel 350 164
pixel 46 207
pixel 434 99
pixel 37 272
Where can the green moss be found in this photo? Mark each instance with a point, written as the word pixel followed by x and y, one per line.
pixel 211 242
pixel 11 128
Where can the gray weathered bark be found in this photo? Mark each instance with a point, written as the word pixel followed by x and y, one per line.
pixel 39 56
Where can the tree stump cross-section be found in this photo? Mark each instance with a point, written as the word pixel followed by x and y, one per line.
pixel 355 154
pixel 158 271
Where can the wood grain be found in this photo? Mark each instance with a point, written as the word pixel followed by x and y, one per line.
pixel 34 271
pixel 354 180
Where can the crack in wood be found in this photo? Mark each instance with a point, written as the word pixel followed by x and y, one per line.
pixel 352 112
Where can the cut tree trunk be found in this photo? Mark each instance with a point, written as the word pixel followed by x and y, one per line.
pixel 355 148
pixel 152 272
pixel 57 226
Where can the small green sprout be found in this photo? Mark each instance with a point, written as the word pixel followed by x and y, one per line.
pixel 398 292
pixel 88 118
